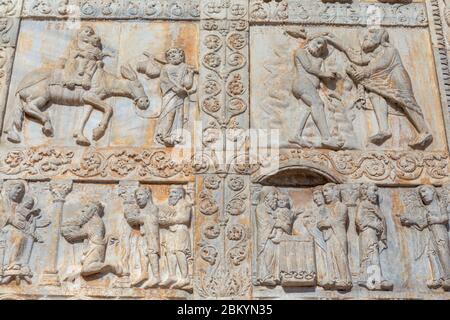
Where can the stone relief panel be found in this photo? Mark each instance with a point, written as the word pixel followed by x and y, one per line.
pixel 75 238
pixel 373 100
pixel 358 240
pixel 126 159
pixel 106 71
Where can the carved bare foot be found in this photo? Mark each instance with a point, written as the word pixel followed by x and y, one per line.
pixel 71 277
pixel 13 136
pixel 168 282
pixel 332 144
pixel 343 286
pixel 180 283
pixel 47 129
pixel 98 132
pixel 151 283
pixel 446 285
pixel 422 141
pixel 433 284
pixel 81 140
pixel 138 281
pixel 386 285
pixel 380 137
pixel 301 142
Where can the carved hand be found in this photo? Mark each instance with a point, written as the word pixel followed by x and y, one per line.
pixel 329 75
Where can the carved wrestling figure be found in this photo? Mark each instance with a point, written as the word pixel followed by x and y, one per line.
pixel 378 68
pixel 309 64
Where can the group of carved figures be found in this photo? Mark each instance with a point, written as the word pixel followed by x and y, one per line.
pixel 165 228
pixel 326 227
pixel 376 71
pixel 81 81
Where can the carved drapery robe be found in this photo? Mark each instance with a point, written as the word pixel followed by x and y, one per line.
pixel 170 122
pixel 436 241
pixel 268 260
pixel 389 78
pixel 371 227
pixel 177 237
pixel 335 237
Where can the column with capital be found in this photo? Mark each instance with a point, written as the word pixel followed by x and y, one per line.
pixel 59 191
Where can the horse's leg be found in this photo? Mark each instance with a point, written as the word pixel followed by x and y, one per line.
pixel 98 104
pixel 79 136
pixel 32 109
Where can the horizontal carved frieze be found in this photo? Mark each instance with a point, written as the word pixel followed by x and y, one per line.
pixel 113 9
pixel 109 164
pixel 317 12
pixel 387 167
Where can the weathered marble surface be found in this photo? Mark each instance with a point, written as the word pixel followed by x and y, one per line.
pixel 247 149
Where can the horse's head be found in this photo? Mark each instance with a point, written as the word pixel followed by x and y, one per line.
pixel 135 87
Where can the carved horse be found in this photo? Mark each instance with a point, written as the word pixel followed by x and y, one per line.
pixel 39 89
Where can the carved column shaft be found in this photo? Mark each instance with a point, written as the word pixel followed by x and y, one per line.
pixel 59 191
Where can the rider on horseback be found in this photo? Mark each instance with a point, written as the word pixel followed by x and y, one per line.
pixel 84 58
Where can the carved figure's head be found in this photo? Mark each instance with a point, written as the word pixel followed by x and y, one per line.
pixel 317 46
pixel 284 201
pixel 28 202
pixel 426 193
pixel 175 56
pixel 373 38
pixel 91 209
pixel 318 197
pixel 86 33
pixel 143 196
pixel 330 192
pixel 271 200
pixel 17 191
pixel 369 191
pixel 176 193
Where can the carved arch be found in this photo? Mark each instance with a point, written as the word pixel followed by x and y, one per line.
pixel 294 173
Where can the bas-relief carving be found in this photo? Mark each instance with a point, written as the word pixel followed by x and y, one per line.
pixel 79 77
pixel 113 9
pixel 129 239
pixel 368 85
pixel 428 213
pixel 164 235
pixel 21 221
pixel 336 13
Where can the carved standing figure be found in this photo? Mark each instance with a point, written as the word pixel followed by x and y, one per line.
pixel 177 84
pixel 19 223
pixel 378 68
pixel 175 217
pixel 333 225
pixel 371 227
pixel 431 218
pixel 310 220
pixel 44 87
pixel 146 217
pixel 267 250
pixel 308 78
pixel 89 228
